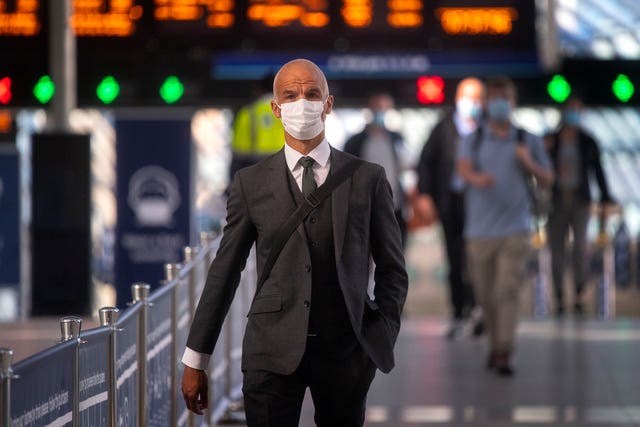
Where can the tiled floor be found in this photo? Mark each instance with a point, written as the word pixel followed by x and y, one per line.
pixel 570 372
pixel 575 373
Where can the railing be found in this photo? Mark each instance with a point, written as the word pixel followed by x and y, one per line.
pixel 603 271
pixel 127 372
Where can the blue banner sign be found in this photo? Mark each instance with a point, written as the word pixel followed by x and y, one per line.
pixel 42 396
pixel 93 386
pixel 153 198
pixel 127 367
pixel 159 358
pixel 9 218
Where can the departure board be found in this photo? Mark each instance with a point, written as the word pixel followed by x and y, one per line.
pixel 284 23
pixel 216 46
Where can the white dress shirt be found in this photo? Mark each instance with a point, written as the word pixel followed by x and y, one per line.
pixel 322 155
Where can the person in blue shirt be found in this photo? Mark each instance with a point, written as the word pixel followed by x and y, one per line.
pixel 496 162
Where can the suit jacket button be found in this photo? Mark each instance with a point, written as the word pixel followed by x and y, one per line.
pixel 307 268
pixel 307 304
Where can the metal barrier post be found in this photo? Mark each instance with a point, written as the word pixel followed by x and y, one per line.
pixel 189 255
pixel 140 293
pixel 6 375
pixel 108 318
pixel 205 240
pixel 606 290
pixel 171 271
pixel 70 327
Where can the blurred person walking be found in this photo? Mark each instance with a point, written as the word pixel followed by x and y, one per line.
pixel 377 144
pixel 496 161
pixel 576 157
pixel 442 197
pixel 256 132
pixel 311 323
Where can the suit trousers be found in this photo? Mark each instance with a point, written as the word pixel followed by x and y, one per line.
pixel 338 375
pixel 460 288
pixel 562 218
pixel 498 271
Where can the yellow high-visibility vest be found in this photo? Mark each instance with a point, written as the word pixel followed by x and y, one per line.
pixel 256 131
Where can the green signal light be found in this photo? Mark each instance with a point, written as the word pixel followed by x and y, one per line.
pixel 108 90
pixel 623 88
pixel 44 89
pixel 171 90
pixel 559 88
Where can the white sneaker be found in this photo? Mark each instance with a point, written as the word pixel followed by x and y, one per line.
pixel 456 330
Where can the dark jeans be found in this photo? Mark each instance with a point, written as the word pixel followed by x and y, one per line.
pixel 563 218
pixel 338 382
pixel 461 290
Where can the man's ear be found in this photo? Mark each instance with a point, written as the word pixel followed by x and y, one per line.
pixel 275 109
pixel 329 106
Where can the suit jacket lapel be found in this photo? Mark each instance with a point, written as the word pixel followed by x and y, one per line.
pixel 339 204
pixel 284 204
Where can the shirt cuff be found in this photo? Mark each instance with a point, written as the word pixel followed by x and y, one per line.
pixel 195 360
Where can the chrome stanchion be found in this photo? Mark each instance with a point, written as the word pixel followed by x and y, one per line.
pixel 140 292
pixel 70 327
pixel 189 255
pixel 206 238
pixel 605 287
pixel 108 318
pixel 542 277
pixel 171 271
pixel 6 375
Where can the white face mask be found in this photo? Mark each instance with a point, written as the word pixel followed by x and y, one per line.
pixel 302 119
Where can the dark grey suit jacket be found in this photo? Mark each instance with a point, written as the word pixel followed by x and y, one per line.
pixel 364 225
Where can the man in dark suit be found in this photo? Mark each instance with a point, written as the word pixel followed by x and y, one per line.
pixel 377 144
pixel 312 324
pixel 442 195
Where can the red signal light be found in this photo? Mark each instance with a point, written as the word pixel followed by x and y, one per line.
pixel 5 90
pixel 430 90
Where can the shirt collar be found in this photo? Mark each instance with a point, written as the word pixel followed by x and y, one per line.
pixel 320 154
pixel 463 127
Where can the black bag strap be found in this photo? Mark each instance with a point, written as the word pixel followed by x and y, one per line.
pixel 311 202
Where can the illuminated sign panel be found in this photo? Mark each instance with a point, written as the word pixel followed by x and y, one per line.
pixel 182 19
pixel 141 42
pixel 216 13
pixel 280 13
pixel 115 18
pixel 405 13
pixel 477 20
pixel 22 20
pixel 357 13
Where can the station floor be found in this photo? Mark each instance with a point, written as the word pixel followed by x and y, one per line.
pixel 569 372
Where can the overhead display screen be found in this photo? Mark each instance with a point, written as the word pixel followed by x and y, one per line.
pixel 137 46
pixel 282 24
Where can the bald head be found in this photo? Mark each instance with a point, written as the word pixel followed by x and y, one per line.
pixel 300 71
pixel 472 88
pixel 300 80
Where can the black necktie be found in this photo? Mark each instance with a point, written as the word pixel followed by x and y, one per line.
pixel 308 181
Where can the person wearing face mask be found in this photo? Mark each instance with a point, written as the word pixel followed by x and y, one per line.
pixel 442 196
pixel 496 162
pixel 575 156
pixel 312 323
pixel 377 144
